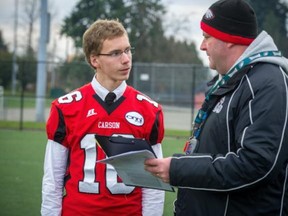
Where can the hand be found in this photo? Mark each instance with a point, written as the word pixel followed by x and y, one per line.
pixel 159 168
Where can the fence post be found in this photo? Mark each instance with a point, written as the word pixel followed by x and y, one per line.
pixel 41 67
pixel 1 102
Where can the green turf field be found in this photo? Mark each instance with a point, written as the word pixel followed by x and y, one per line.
pixel 21 169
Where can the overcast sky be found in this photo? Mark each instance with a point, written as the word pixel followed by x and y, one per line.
pixel 182 20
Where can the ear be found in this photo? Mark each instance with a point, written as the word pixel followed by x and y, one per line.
pixel 229 45
pixel 94 61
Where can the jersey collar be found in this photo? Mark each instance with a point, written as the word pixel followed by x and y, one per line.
pixel 102 92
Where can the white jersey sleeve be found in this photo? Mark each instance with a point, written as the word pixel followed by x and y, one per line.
pixel 55 164
pixel 153 200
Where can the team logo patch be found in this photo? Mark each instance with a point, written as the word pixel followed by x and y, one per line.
pixel 91 112
pixel 134 118
pixel 209 15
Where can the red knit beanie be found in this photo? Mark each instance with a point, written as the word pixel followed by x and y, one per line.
pixel 231 21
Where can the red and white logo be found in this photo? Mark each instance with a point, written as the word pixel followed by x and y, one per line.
pixel 134 118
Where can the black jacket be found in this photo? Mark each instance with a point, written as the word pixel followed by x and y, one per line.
pixel 241 164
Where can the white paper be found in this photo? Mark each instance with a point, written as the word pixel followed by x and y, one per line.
pixel 130 167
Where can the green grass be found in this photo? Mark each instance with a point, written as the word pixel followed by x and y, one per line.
pixel 21 162
pixel 25 125
pixel 28 101
pixel 21 170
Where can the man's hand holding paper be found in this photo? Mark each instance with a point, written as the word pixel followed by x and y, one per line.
pixel 128 156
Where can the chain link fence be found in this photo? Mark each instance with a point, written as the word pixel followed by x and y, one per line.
pixel 178 87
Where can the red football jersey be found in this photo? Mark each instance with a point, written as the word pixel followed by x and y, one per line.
pixel 94 188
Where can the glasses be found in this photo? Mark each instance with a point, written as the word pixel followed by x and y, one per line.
pixel 118 53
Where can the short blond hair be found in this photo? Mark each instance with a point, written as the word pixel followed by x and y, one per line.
pixel 97 33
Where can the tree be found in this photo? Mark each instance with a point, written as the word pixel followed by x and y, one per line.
pixel 5 63
pixel 27 62
pixel 86 12
pixel 31 16
pixel 144 26
pixel 143 21
pixel 74 73
pixel 27 67
pixel 3 46
pixel 272 17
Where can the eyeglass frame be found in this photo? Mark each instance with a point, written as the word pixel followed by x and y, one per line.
pixel 118 53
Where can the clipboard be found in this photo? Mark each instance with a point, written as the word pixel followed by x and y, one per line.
pixel 115 145
pixel 130 167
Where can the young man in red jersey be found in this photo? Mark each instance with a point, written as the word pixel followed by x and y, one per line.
pixel 70 161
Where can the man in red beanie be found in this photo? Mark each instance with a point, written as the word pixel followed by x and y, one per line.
pixel 236 162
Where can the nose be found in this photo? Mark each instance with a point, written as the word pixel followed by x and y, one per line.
pixel 125 57
pixel 203 46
